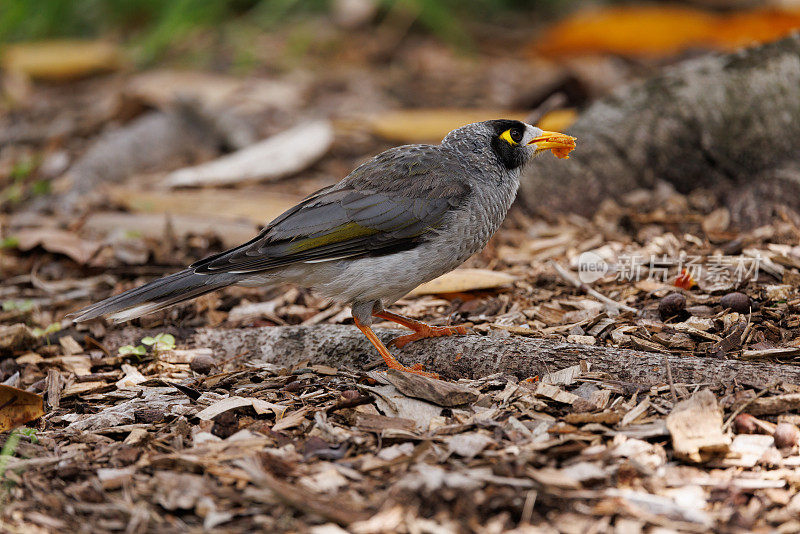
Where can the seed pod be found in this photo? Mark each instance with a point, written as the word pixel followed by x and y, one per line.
pixel 350 394
pixel 786 435
pixel 671 305
pixel 202 364
pixel 744 423
pixel 738 302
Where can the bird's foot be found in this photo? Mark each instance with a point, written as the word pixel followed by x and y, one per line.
pixel 426 331
pixel 390 360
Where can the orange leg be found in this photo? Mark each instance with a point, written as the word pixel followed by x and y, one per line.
pixel 390 360
pixel 421 330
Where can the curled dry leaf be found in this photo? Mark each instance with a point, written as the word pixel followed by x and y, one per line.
pixel 60 241
pixel 279 156
pixel 18 407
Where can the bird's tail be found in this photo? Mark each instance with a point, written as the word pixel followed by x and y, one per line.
pixel 156 295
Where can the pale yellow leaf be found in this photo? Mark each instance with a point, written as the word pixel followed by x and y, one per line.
pixel 464 280
pixel 61 60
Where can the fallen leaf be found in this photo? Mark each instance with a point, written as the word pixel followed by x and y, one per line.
pixel 257 206
pixel 660 30
pixel 281 155
pixel 56 240
pixel 431 125
pixel 155 226
pixel 558 120
pixel 463 280
pixel 164 88
pixel 18 407
pixel 61 60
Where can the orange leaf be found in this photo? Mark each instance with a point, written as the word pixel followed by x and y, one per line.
pixel 661 30
pixel 18 407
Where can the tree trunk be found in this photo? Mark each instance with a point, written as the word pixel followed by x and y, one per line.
pixel 727 123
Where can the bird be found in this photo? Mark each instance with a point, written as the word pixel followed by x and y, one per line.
pixel 406 216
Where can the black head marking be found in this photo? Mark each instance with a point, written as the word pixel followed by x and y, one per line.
pixel 506 145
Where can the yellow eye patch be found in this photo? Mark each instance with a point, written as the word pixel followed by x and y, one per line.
pixel 506 136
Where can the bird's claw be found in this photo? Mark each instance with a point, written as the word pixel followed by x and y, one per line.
pixel 428 331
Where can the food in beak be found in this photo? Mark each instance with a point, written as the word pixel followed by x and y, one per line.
pixel 560 144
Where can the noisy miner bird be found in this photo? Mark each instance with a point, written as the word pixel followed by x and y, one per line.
pixel 407 216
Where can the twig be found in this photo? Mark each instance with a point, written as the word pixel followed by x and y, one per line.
pixel 566 275
pixel 671 381
pixel 741 408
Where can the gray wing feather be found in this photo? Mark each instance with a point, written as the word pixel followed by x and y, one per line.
pixel 388 204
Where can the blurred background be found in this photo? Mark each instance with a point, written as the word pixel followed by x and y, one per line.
pixel 136 136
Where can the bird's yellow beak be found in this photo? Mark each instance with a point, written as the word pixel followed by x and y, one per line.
pixel 561 144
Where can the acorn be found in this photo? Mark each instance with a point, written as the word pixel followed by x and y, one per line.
pixel 738 302
pixel 671 305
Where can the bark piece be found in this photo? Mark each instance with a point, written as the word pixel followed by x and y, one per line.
pixel 696 428
pixel 436 391
pixel 15 337
pixel 778 404
pixel 379 423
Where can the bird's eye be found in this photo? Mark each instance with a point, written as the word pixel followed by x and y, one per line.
pixel 512 136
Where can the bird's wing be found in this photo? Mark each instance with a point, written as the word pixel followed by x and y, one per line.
pixel 386 205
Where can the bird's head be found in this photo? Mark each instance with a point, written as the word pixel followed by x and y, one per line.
pixel 512 142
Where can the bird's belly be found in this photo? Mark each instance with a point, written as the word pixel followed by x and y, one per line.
pixel 383 278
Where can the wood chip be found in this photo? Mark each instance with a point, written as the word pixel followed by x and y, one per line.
pixel 379 423
pixel 779 404
pixel 556 394
pixel 696 428
pixel 436 391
